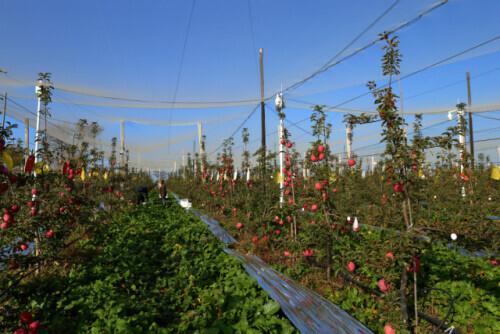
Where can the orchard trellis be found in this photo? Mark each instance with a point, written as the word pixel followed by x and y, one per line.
pixel 398 230
pixel 330 220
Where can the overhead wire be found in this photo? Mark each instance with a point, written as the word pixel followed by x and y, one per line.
pixel 323 68
pixel 183 54
pixel 488 117
pixel 237 129
pixel 451 84
pixel 425 68
pixel 329 65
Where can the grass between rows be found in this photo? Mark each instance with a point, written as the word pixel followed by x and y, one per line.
pixel 155 269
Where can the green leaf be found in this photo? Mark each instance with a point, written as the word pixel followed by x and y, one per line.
pixel 271 307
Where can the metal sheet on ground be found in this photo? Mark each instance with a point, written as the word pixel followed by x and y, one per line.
pixel 306 309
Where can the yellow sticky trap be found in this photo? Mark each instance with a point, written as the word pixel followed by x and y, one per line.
pixel 495 173
pixel 7 159
pixel 278 177
pixel 83 175
pixel 39 167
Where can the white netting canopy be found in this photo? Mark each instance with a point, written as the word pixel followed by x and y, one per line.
pixel 162 68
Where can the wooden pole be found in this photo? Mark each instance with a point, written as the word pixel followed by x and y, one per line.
pixel 27 136
pixel 471 129
pixel 122 143
pixel 262 105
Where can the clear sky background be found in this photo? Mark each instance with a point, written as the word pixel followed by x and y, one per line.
pixel 177 51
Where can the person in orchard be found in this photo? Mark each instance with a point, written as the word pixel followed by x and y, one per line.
pixel 142 194
pixel 162 190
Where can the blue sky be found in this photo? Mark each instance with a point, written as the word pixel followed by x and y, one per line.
pixel 134 49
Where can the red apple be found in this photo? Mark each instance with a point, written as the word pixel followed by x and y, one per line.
pixel 49 233
pixel 14 208
pixel 398 187
pixel 415 266
pixel 20 331
pixel 25 317
pixel 388 329
pixel 239 226
pixel 351 162
pixel 313 158
pixel 321 148
pixel 34 326
pixel 23 247
pixel 317 186
pixel 382 285
pixel 12 178
pixel 7 217
pixel 321 156
pixel 314 207
pixel 351 266
pixel 34 192
pixel 308 252
pixel 33 212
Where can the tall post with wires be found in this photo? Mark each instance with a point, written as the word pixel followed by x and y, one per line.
pixel 471 129
pixel 348 139
pixel 281 133
pixel 26 137
pixel 461 138
pixel 38 136
pixel 201 146
pixel 262 109
pixel 122 144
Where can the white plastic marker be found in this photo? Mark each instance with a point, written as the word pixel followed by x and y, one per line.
pixel 355 226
